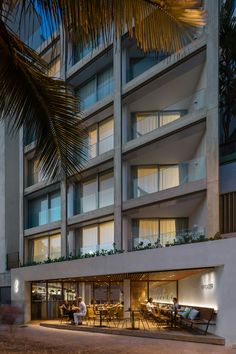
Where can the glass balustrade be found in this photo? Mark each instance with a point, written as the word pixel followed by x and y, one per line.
pixel 96 248
pixel 165 239
pixel 102 146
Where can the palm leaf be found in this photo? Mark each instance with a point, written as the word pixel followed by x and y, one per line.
pixel 159 25
pixel 29 98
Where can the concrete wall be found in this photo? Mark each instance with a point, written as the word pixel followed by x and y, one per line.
pixel 200 290
pixel 220 253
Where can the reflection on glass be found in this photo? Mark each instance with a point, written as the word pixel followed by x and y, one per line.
pixel 55 297
pixel 38 305
pixel 139 293
pixel 40 249
pixel 69 291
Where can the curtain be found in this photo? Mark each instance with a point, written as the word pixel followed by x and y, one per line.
pixel 89 195
pixel 106 190
pixel 169 177
pixel 148 230
pixel 92 143
pixel 168 117
pixel 106 133
pixel 105 83
pixel 167 231
pixel 89 239
pixel 106 234
pixel 147 180
pixel 55 246
pixel 145 123
pixel 40 252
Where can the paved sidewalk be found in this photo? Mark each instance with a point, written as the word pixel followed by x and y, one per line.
pixel 89 343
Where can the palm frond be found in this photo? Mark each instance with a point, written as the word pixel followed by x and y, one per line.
pixel 29 98
pixel 159 25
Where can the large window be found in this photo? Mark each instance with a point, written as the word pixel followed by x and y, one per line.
pixel 143 123
pixel 44 210
pixel 97 88
pixel 97 237
pixel 162 231
pixel 150 179
pixel 45 247
pixel 100 138
pixel 95 193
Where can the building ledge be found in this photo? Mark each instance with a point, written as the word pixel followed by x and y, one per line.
pixel 91 215
pixel 167 194
pixel 166 130
pixel 42 229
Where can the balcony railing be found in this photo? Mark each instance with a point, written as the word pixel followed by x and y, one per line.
pixel 165 239
pixel 171 176
pixel 102 146
pixel 174 111
pixel 44 217
pixel 94 249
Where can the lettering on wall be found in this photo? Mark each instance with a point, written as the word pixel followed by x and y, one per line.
pixel 207 286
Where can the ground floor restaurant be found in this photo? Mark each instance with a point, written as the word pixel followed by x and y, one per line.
pixel 131 291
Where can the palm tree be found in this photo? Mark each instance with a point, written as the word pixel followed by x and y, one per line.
pixel 29 98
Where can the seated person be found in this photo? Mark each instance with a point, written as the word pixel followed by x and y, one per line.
pixel 174 310
pixel 80 312
pixel 149 305
pixel 65 307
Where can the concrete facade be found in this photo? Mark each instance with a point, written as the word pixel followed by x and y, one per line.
pixel 187 82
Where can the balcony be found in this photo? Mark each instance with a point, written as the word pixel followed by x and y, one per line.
pixel 166 177
pixel 167 239
pixel 145 122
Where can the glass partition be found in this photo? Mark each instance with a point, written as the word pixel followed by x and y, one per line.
pixel 139 293
pixel 38 301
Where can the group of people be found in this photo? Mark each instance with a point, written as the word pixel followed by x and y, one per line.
pixel 76 312
pixel 173 310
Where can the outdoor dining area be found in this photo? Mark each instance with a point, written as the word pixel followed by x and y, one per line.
pixel 174 303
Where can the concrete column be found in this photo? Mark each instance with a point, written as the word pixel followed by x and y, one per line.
pixel 212 134
pixel 125 233
pixel 126 287
pixel 64 218
pixel 117 144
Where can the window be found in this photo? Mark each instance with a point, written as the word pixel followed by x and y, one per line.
pixel 150 179
pixel 100 138
pixel 44 210
pixel 97 88
pixel 89 195
pixel 106 190
pixel 97 237
pixel 163 231
pixel 55 68
pixel 32 173
pixel 95 193
pixel 146 122
pixel 45 247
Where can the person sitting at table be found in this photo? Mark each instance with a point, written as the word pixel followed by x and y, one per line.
pixel 150 305
pixel 80 312
pixel 65 307
pixel 174 310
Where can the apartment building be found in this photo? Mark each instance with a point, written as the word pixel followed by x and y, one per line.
pixel 139 221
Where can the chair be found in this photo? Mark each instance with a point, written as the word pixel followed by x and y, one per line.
pixel 112 315
pixel 90 315
pixel 63 315
pixel 138 316
pixel 120 317
pixel 161 318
